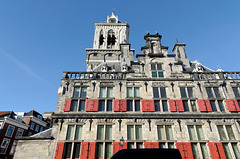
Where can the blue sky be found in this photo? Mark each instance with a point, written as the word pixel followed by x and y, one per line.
pixel 39 39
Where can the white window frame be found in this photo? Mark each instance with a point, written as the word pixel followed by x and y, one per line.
pixel 32 127
pixel 13 148
pixel 8 129
pixel 36 127
pixel 19 131
pixel 5 146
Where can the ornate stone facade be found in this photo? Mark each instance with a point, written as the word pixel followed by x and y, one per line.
pixel 159 100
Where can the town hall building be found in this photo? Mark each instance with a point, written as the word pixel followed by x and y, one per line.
pixel 159 100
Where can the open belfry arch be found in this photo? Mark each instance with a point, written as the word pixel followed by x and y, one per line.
pixel 159 100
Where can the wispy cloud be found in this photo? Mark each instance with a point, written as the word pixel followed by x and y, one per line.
pixel 21 65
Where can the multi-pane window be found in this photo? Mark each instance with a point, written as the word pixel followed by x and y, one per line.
pixel 134 132
pixel 36 128
pixel 159 92
pixel 157 70
pixel 10 131
pixel 32 126
pixel 106 92
pixel 195 132
pixel 164 132
pixel 80 92
pixel 186 92
pixel 199 150
pixel 4 145
pixel 189 103
pixel 79 99
pixel 213 92
pixel 104 143
pixel 165 135
pixel 160 99
pixel 133 102
pixel 198 144
pixel 226 134
pixel 74 132
pixel 216 99
pixel 73 145
pixel 19 133
pixel 236 92
pixel 106 96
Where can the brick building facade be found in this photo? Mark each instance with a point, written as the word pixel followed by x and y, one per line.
pixel 159 100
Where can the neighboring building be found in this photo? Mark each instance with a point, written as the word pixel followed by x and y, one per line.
pixel 35 121
pixel 47 116
pixel 10 129
pixel 160 100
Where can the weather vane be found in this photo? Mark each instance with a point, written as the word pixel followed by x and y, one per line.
pixel 176 41
pixel 113 10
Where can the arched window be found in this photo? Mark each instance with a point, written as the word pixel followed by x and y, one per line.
pixel 101 38
pixel 111 39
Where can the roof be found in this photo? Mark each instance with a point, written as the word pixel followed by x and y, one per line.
pixel 32 113
pixel 46 134
pixel 3 113
pixel 6 114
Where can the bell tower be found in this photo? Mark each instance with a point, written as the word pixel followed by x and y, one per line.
pixel 110 34
pixel 111 49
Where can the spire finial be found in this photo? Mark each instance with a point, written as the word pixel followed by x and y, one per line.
pixel 176 41
pixel 113 12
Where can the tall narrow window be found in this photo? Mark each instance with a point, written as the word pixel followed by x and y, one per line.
pixel 70 132
pixel 236 92
pixel 183 92
pixel 209 92
pixel 221 132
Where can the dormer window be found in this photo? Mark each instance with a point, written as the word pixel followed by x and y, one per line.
pixel 157 70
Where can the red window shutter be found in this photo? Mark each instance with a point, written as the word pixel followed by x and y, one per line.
pixel 185 149
pixel 236 104
pixel 92 105
pixel 180 147
pixel 92 147
pixel 59 150
pixel 123 105
pixel 116 107
pixel 84 150
pixel 232 105
pixel 188 148
pixel 179 104
pixel 209 108
pixel 216 150
pixel 172 105
pixel 151 145
pixel 148 105
pixel 67 105
pixel 95 105
pixel 221 150
pixel 116 147
pixel 202 105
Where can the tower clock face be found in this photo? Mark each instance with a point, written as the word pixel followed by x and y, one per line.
pixel 112 20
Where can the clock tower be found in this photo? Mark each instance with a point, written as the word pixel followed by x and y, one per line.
pixel 111 46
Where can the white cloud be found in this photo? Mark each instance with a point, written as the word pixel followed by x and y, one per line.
pixel 21 65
